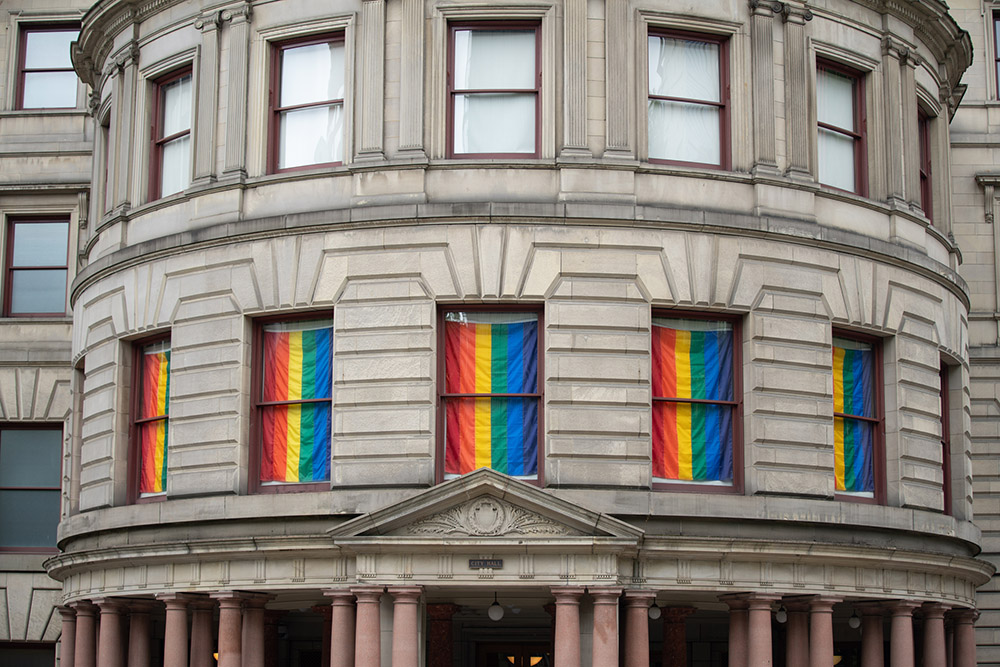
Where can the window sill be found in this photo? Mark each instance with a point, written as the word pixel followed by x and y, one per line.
pixel 74 111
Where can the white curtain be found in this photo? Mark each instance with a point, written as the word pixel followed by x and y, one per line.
pixel 314 135
pixel 313 73
pixel 835 99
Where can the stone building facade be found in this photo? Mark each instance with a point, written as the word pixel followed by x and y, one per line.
pixel 669 328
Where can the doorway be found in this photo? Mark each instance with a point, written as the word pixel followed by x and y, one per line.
pixel 512 654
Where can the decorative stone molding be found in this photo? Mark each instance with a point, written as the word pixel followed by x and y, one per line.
pixel 488 517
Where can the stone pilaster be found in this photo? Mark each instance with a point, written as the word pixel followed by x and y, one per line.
pixel 575 80
pixel 123 117
pixel 236 109
pixel 762 84
pixel 911 147
pixel 411 84
pixel 798 125
pixel 372 82
pixel 894 128
pixel 209 24
pixel 618 142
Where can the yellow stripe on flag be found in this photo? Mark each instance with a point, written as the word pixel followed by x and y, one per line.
pixel 294 411
pixel 484 385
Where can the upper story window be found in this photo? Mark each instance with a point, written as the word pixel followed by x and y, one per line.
pixel 491 392
pixel 150 426
pixel 695 401
pixel 30 472
pixel 171 153
pixel 924 138
pixel 996 50
pixel 945 441
pixel 494 81
pixel 688 95
pixel 293 398
pixel 307 103
pixel 37 269
pixel 857 417
pixel 46 79
pixel 840 111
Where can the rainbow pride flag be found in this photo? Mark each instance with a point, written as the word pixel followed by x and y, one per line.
pixel 852 438
pixel 296 437
pixel 502 432
pixel 155 402
pixel 692 441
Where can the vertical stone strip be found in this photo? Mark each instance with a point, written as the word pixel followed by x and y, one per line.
pixel 617 87
pixel 67 638
pixel 798 130
pixel 567 641
pixel 605 649
pixel 405 636
pixel 208 98
pixel 341 627
pixel 762 78
pixel 575 79
pixel 821 631
pixel 893 56
pixel 911 146
pixel 236 111
pixel 372 113
pixel 124 116
pixel 411 84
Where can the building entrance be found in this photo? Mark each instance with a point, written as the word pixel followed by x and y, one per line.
pixel 512 654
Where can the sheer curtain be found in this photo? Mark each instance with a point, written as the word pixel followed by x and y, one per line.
pixel 312 74
pixel 688 70
pixel 175 167
pixel 835 106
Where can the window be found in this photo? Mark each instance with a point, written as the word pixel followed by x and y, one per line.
pixel 150 428
pixel 105 184
pixel 996 50
pixel 171 162
pixel 924 138
pixel 494 82
pixel 307 103
pixel 30 472
pixel 695 401
pixel 688 91
pixel 293 402
pixel 46 79
pixel 841 115
pixel 37 256
pixel 491 396
pixel 857 417
pixel 945 440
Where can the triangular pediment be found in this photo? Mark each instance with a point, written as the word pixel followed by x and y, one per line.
pixel 488 505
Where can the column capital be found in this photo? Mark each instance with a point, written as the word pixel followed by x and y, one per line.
pixel 963 616
pixel 111 605
pixel 441 612
pixel 823 603
pixel 902 607
pixel 339 596
pixel 83 607
pixel 934 609
pixel 761 600
pixel 736 601
pixel 605 594
pixel 67 613
pixel 639 597
pixel 405 594
pixel 368 593
pixel 141 606
pixel 178 599
pixel 567 594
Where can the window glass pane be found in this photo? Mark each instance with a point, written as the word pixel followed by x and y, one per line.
pixel 49 90
pixel 176 106
pixel 41 291
pixel 312 135
pixel 497 433
pixel 852 455
pixel 684 68
pixel 684 132
pixel 28 518
pixel 30 457
pixel 494 59
pixel 48 49
pixel 836 160
pixel 41 243
pixel 175 170
pixel 494 123
pixel 692 442
pixel 313 73
pixel 835 99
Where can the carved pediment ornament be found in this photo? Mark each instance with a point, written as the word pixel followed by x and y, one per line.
pixel 488 517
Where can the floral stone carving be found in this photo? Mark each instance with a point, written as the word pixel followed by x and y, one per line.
pixel 488 517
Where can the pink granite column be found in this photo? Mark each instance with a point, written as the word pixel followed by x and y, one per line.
pixel 201 633
pixel 872 635
pixel 175 631
pixel 821 631
pixel 368 633
pixel 341 627
pixel 85 651
pixel 675 636
pixel 67 638
pixel 738 629
pixel 111 642
pixel 140 645
pixel 439 638
pixel 964 637
pixel 230 644
pixel 637 603
pixel 901 652
pixel 759 630
pixel 935 654
pixel 252 640
pixel 566 652
pixel 605 650
pixel 797 633
pixel 405 643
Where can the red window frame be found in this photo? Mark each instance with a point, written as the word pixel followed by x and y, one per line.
pixel 683 486
pixel 22 53
pixel 725 138
pixel 443 395
pixel 34 426
pixel 135 422
pixel 453 91
pixel 10 269
pixel 105 129
pixel 996 52
pixel 878 421
pixel 860 135
pixel 157 141
pixel 274 100
pixel 946 440
pixel 254 483
pixel 924 139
